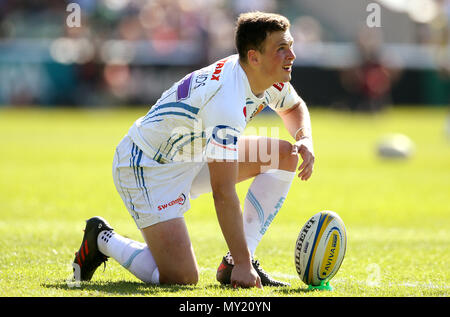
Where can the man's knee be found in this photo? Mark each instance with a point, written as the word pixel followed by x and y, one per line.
pixel 287 160
pixel 182 277
pixel 171 248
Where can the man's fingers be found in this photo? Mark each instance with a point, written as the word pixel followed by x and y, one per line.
pixel 304 164
pixel 305 170
pixel 305 176
pixel 307 165
pixel 258 283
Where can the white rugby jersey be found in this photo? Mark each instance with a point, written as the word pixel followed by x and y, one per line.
pixel 202 115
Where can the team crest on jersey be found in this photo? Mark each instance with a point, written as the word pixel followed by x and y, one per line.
pixel 255 111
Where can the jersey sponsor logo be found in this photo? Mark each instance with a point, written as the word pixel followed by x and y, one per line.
pixel 180 201
pixel 223 146
pixel 200 80
pixel 221 134
pixel 279 86
pixel 218 70
pixel 184 88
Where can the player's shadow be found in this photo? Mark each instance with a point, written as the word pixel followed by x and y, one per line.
pixel 118 287
pixel 290 290
pixel 139 288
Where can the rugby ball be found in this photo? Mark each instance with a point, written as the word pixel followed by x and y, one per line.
pixel 395 145
pixel 320 248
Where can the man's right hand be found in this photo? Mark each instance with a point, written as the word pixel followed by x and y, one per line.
pixel 244 275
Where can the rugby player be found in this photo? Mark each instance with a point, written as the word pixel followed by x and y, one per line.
pixel 191 142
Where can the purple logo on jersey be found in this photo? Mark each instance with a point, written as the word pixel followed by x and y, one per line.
pixel 184 88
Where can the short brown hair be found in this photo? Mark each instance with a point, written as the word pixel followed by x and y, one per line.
pixel 252 29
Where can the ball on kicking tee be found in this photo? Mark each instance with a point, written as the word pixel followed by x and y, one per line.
pixel 320 249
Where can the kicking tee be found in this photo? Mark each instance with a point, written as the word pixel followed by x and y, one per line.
pixel 202 115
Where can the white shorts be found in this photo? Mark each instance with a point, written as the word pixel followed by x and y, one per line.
pixel 154 192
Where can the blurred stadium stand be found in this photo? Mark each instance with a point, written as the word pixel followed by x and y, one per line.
pixel 127 52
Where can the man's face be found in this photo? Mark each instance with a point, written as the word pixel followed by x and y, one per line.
pixel 278 56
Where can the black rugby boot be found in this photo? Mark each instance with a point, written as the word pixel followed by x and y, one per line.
pixel 223 274
pixel 88 257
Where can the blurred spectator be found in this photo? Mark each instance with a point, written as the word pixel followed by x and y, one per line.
pixel 306 29
pixel 434 32
pixel 240 6
pixel 368 83
pixel 440 36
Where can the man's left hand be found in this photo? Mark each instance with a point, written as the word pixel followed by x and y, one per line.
pixel 304 147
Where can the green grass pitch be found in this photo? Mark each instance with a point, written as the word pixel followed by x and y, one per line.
pixel 55 172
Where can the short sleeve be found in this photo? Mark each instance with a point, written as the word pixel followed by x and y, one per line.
pixel 283 96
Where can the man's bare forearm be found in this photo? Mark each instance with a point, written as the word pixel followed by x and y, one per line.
pixel 231 222
pixel 297 120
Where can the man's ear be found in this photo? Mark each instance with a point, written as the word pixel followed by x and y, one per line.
pixel 253 57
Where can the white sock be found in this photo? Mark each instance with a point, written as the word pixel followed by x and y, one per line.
pixel 132 255
pixel 262 203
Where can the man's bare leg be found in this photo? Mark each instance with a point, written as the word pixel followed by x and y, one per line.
pixel 172 250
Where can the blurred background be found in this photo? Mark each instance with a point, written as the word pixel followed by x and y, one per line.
pixel 127 52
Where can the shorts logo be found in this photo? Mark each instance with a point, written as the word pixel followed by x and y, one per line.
pixel 180 201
